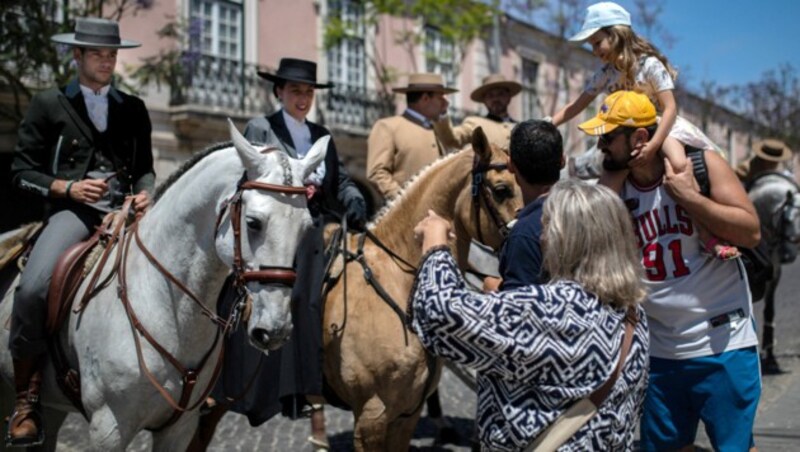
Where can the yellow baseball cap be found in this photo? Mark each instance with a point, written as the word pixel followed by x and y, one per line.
pixel 621 108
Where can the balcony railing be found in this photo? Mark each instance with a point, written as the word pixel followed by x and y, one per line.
pixel 353 108
pixel 222 83
pixel 356 109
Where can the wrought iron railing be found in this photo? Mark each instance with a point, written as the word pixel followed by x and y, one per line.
pixel 353 108
pixel 357 109
pixel 214 83
pixel 222 83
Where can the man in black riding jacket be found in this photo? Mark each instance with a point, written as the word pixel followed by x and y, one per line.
pixel 83 147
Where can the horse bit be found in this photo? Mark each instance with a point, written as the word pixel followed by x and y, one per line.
pixel 481 190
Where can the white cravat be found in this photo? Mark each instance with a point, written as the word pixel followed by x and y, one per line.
pixel 97 106
pixel 301 138
pixel 301 134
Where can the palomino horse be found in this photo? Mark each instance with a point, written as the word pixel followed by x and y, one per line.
pixel 777 200
pixel 195 239
pixel 373 362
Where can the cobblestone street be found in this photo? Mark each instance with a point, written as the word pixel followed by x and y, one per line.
pixel 280 434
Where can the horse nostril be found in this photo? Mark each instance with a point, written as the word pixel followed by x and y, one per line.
pixel 260 336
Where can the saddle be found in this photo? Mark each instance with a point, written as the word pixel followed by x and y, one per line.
pixel 75 264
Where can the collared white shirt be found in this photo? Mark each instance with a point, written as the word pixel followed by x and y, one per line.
pixel 97 106
pixel 301 138
pixel 301 134
pixel 418 116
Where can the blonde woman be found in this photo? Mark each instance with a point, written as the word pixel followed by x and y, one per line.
pixel 541 348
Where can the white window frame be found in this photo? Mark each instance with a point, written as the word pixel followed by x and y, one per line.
pixel 350 68
pixel 531 108
pixel 215 18
pixel 441 57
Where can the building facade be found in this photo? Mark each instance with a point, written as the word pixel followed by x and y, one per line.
pixel 224 43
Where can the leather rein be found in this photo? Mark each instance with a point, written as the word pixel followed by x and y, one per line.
pixel 265 275
pixel 482 191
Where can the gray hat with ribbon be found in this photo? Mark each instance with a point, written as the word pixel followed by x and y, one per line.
pixel 95 32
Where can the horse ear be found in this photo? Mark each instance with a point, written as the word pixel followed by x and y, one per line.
pixel 252 160
pixel 315 155
pixel 480 144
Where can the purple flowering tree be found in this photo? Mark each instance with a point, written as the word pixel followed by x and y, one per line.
pixel 174 66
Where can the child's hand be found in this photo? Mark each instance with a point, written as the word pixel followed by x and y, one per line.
pixel 643 154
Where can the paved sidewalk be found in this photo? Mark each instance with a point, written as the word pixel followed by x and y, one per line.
pixel 777 426
pixel 778 421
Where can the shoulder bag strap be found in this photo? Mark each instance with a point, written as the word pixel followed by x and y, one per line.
pixel 576 416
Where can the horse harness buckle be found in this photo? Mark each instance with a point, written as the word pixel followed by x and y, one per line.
pixel 190 377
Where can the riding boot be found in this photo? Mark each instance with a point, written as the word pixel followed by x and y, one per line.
pixel 25 424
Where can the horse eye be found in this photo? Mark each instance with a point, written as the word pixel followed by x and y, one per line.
pixel 254 224
pixel 502 192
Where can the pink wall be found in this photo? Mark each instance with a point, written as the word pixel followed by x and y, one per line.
pixel 288 28
pixel 393 50
pixel 142 28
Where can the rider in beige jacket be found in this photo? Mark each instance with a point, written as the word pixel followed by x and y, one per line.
pixel 400 146
pixel 495 93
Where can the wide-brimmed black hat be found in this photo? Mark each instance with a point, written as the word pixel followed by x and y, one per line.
pixel 295 70
pixel 95 32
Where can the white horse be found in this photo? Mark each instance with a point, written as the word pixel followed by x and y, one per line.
pixel 190 232
pixel 777 200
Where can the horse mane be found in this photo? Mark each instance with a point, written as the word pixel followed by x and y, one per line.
pixel 404 189
pixel 187 165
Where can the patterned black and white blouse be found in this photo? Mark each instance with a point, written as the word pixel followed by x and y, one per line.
pixel 536 350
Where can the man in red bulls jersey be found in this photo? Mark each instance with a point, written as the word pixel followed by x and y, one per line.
pixel 703 346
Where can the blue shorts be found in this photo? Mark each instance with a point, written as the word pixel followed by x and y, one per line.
pixel 722 390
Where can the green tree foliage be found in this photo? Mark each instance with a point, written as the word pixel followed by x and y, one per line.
pixel 458 21
pixel 29 61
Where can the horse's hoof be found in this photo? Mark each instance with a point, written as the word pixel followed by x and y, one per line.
pixel 319 445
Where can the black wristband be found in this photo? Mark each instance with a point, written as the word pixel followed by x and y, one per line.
pixel 69 187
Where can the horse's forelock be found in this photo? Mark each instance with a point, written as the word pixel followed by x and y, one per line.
pixel 267 151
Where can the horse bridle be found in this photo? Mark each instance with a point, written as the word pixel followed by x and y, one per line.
pixel 784 210
pixel 481 190
pixel 265 275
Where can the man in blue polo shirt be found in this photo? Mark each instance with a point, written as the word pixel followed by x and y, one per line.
pixel 537 156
